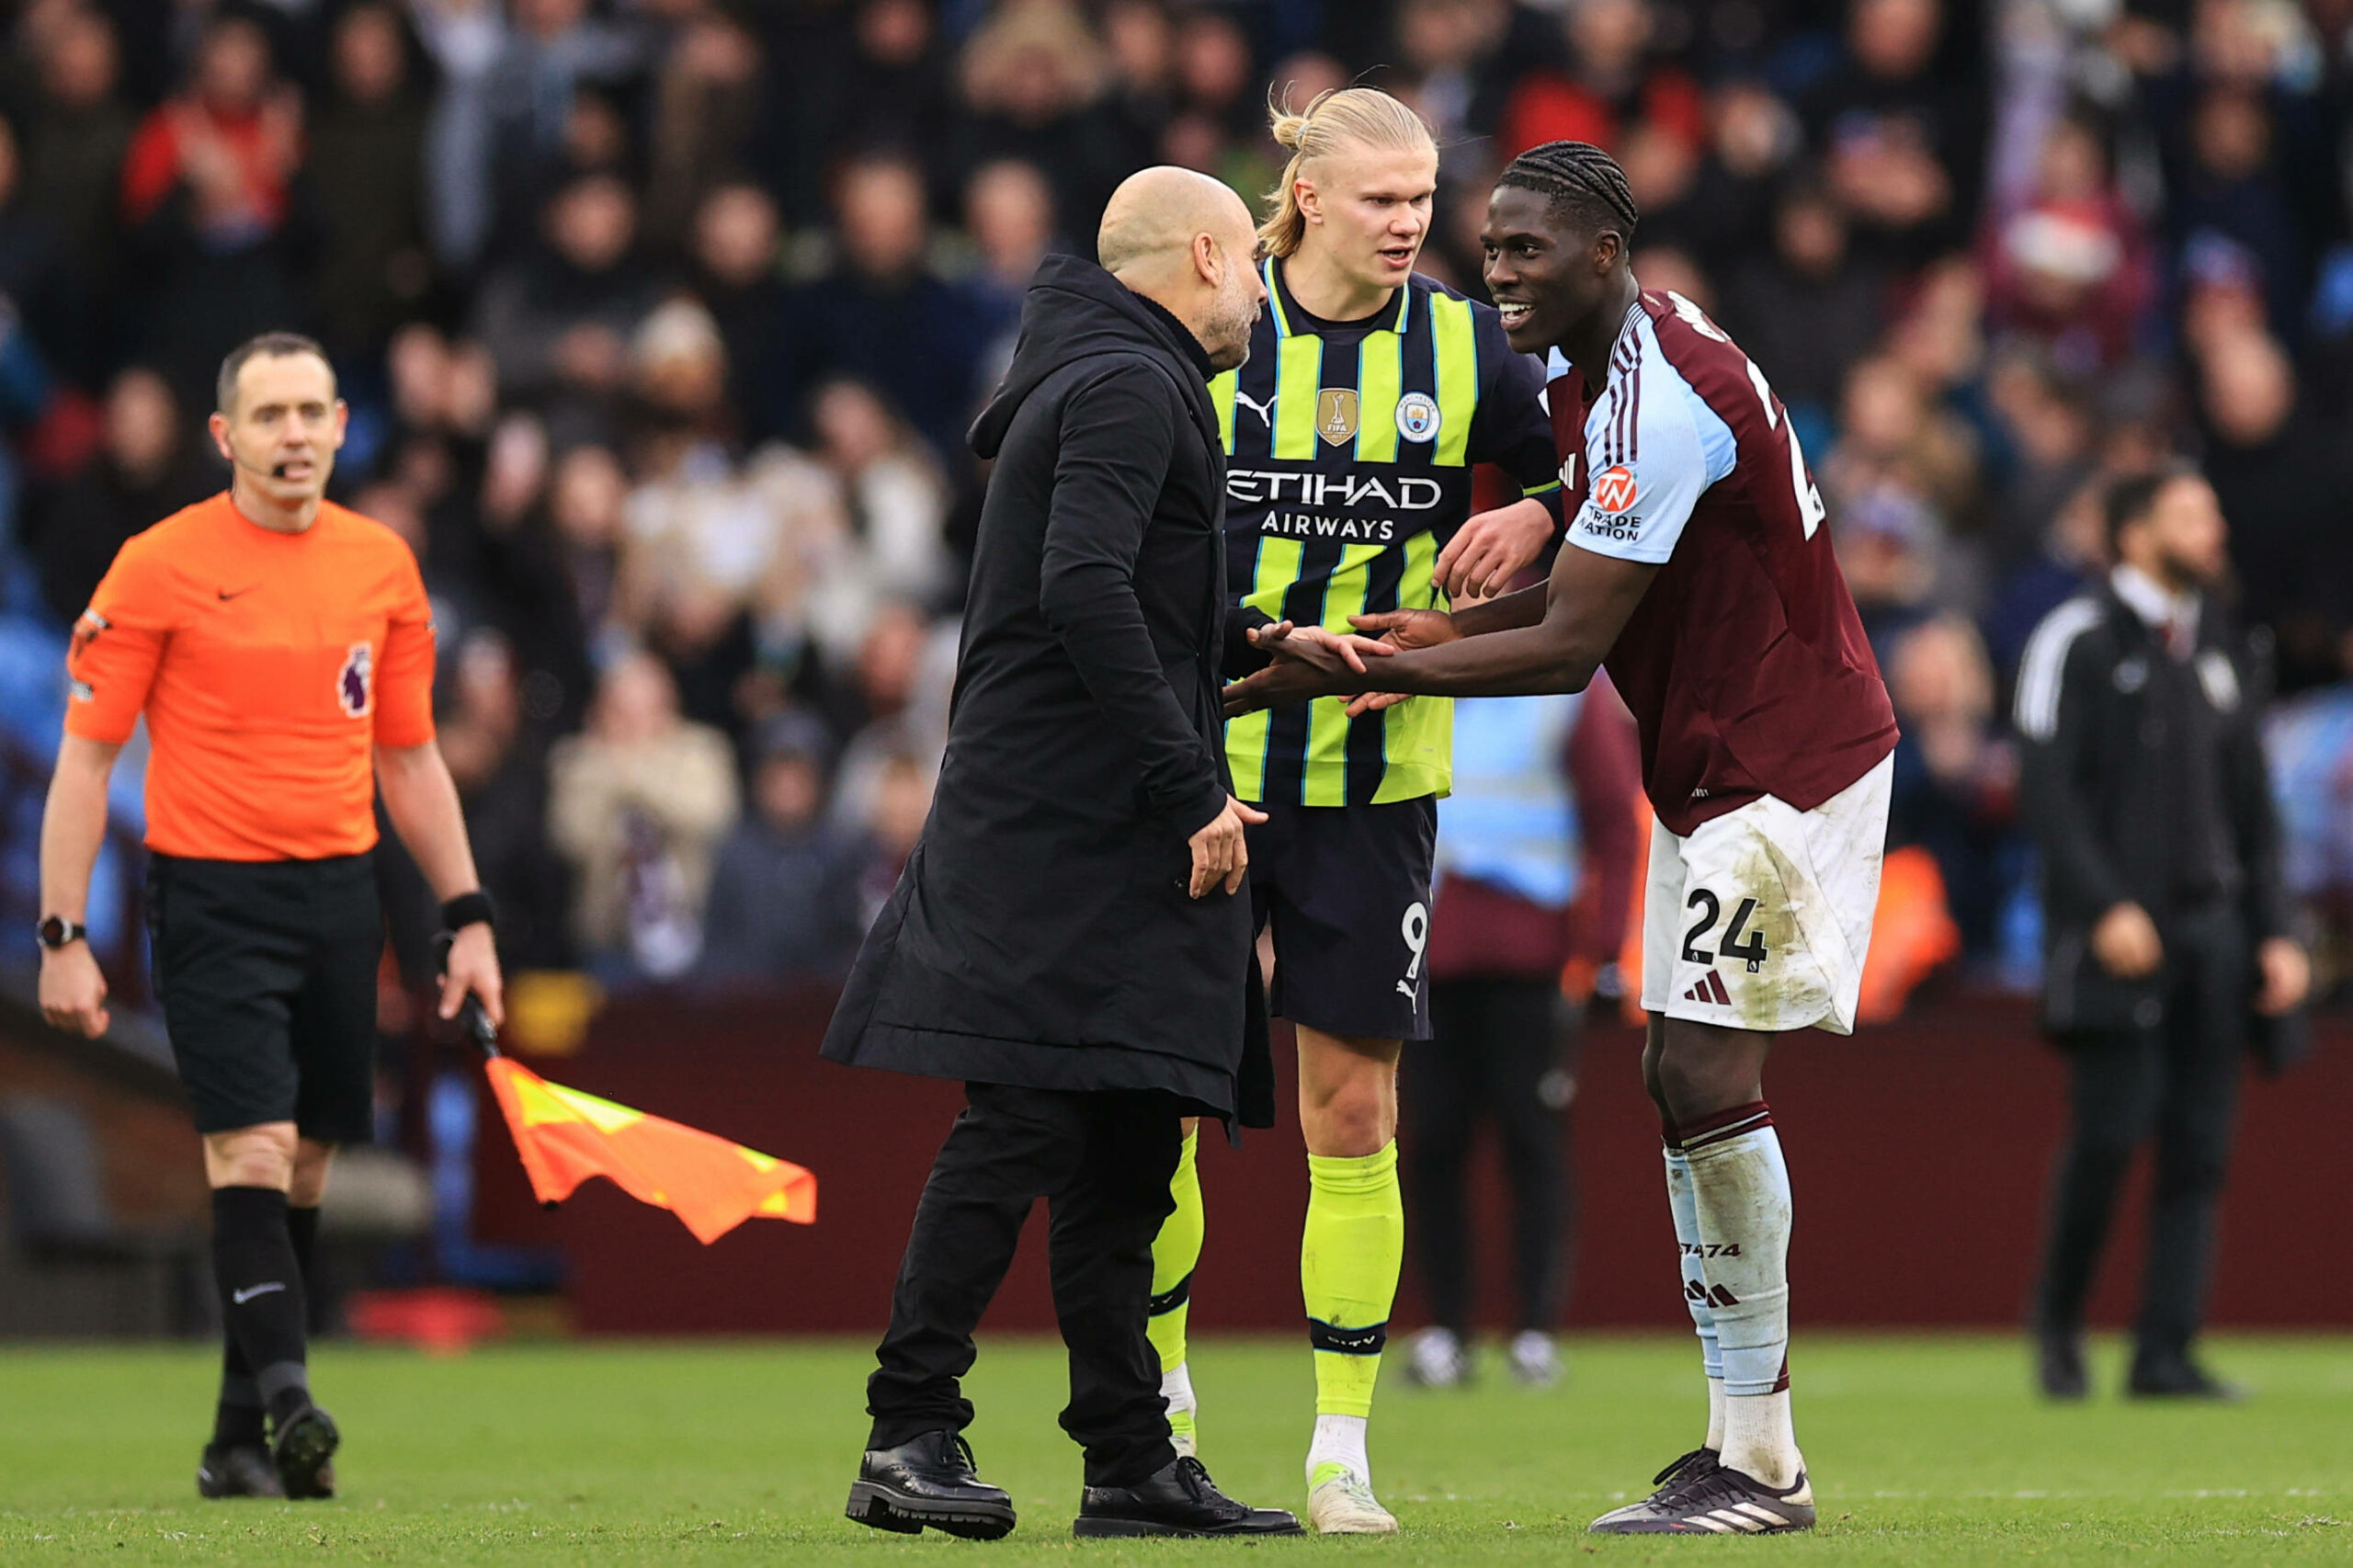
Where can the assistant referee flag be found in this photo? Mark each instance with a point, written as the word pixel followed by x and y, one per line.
pixel 566 1137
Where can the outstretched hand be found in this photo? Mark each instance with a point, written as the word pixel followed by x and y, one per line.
pixel 1280 685
pixel 1400 628
pixel 1328 653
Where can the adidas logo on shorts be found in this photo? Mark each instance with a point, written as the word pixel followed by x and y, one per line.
pixel 1711 989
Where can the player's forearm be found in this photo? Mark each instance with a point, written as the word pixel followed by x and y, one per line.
pixel 73 824
pixel 422 800
pixel 1520 662
pixel 1504 613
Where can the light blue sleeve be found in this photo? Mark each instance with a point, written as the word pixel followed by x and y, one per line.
pixel 1635 509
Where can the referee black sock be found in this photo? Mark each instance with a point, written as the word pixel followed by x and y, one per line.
pixel 261 1293
pixel 238 1419
pixel 302 1230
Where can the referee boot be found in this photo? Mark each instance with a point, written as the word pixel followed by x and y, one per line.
pixel 302 1447
pixel 237 1470
pixel 1178 1499
pixel 928 1481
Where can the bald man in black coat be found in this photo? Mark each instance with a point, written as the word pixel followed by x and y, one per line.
pixel 1067 937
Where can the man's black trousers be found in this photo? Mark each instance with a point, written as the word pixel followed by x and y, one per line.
pixel 2176 1081
pixel 1496 1046
pixel 1103 1163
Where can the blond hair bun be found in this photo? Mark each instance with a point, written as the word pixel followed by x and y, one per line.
pixel 1342 116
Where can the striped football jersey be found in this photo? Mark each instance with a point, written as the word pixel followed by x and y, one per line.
pixel 1349 450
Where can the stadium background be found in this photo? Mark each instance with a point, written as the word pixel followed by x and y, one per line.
pixel 659 323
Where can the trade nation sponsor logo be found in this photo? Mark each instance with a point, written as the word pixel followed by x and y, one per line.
pixel 1614 489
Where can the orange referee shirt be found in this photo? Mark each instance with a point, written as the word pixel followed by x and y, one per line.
pixel 270 665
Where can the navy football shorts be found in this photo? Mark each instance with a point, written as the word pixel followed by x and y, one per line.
pixel 1347 891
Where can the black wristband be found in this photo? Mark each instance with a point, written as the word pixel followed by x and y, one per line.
pixel 466 909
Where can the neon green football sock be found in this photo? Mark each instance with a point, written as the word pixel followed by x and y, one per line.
pixel 1350 1257
pixel 1174 1251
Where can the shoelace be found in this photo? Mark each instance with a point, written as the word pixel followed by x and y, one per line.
pixel 1195 1477
pixel 1713 1486
pixel 1675 1464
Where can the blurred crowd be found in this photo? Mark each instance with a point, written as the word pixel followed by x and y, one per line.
pixel 661 320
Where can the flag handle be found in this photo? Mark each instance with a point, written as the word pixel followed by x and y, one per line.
pixel 472 1019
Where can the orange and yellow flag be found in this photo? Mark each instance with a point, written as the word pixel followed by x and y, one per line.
pixel 566 1137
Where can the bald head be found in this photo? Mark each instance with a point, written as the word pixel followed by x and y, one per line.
pixel 1156 214
pixel 1185 241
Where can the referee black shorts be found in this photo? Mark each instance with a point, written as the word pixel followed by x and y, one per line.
pixel 267 973
pixel 1347 891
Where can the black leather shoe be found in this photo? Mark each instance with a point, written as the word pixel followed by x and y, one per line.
pixel 2179 1376
pixel 2059 1364
pixel 928 1481
pixel 243 1470
pixel 1177 1499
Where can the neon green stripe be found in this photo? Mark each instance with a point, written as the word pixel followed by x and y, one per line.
pixel 1221 394
pixel 1275 299
pixel 1539 490
pixel 1458 376
pixel 1299 376
pixel 1327 782
pixel 1418 734
pixel 1245 738
pixel 1380 380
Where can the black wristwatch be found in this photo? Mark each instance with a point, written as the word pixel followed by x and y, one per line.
pixel 55 931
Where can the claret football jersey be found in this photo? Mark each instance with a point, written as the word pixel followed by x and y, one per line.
pixel 1746 664
pixel 270 665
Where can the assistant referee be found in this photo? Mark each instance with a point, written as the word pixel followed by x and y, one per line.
pixel 281 649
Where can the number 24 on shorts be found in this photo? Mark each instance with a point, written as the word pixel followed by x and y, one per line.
pixel 1753 949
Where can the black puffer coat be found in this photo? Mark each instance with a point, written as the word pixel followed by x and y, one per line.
pixel 1041 933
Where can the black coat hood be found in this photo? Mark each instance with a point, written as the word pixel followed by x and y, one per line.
pixel 1074 310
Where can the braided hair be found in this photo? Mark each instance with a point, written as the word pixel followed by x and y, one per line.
pixel 1582 184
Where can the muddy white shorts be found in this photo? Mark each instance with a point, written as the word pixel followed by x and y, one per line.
pixel 1761 918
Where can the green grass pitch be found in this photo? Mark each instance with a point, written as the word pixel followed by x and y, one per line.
pixel 1926 1450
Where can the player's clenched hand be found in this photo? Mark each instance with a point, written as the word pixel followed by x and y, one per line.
pixel 72 992
pixel 2125 942
pixel 1492 549
pixel 1328 653
pixel 1400 628
pixel 1222 849
pixel 473 966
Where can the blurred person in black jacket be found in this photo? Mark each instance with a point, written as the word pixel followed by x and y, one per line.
pixel 1808 307
pixel 733 271
pixel 143 470
pixel 76 132
pixel 784 896
pixel 2139 705
pixel 365 169
pixel 883 316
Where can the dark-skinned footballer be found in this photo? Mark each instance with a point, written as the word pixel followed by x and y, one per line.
pixel 281 651
pixel 1697 568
